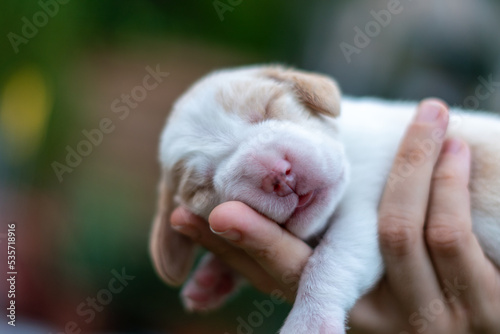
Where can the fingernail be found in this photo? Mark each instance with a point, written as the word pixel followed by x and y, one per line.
pixel 189 231
pixel 429 111
pixel 453 146
pixel 232 235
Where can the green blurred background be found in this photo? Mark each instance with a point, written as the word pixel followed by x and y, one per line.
pixel 62 70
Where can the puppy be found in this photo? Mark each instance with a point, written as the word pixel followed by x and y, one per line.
pixel 274 139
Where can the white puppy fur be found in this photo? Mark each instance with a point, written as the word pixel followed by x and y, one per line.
pixel 274 139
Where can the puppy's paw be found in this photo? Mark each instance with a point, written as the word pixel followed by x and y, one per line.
pixel 212 283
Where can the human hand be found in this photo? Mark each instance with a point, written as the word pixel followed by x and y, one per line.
pixel 437 281
pixel 270 257
pixel 437 278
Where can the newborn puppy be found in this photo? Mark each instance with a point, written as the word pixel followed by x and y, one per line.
pixel 274 139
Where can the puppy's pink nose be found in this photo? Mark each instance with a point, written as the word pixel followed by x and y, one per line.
pixel 280 179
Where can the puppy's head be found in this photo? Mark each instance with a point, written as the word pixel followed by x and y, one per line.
pixel 265 136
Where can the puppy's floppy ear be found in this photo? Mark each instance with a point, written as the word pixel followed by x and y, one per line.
pixel 317 92
pixel 172 253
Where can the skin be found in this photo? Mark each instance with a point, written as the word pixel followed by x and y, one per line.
pixel 437 278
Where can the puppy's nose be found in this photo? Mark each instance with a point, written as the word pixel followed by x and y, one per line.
pixel 280 179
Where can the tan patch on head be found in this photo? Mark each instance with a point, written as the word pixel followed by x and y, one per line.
pixel 318 93
pixel 253 103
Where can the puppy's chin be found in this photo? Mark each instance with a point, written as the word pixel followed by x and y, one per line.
pixel 311 219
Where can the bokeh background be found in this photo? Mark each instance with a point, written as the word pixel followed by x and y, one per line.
pixel 64 64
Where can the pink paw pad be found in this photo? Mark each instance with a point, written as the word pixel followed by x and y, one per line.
pixel 211 285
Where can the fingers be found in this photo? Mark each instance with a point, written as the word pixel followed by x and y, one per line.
pixel 280 253
pixel 457 256
pixel 198 229
pixel 403 208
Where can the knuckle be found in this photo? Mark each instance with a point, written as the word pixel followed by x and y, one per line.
pixel 446 175
pixel 417 130
pixel 398 235
pixel 412 156
pixel 409 148
pixel 262 253
pixel 444 239
pixel 419 147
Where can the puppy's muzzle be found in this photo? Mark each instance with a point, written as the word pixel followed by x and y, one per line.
pixel 280 179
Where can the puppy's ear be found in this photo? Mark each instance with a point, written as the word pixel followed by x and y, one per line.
pixel 172 253
pixel 317 92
